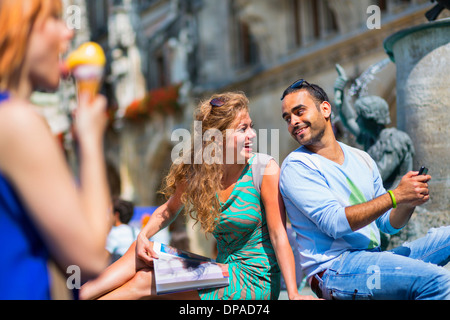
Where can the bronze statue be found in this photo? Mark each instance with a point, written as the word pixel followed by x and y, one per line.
pixel 434 12
pixel 367 119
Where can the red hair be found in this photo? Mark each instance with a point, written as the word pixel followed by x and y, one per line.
pixel 17 20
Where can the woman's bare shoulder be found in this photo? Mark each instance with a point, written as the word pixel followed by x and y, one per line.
pixel 20 116
pixel 22 128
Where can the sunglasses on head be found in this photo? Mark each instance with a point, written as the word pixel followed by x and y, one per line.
pixel 296 85
pixel 217 102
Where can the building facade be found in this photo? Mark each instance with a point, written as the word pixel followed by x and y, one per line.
pixel 258 47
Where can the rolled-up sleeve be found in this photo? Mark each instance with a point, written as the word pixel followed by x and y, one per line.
pixel 383 222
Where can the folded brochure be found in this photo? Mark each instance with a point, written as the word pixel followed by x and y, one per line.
pixel 177 270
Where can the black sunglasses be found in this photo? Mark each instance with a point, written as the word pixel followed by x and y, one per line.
pixel 217 102
pixel 296 85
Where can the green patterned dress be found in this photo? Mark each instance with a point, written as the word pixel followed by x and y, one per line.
pixel 244 244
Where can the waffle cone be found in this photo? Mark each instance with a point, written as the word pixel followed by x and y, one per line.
pixel 88 88
pixel 88 80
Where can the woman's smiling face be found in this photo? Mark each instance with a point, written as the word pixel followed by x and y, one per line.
pixel 239 139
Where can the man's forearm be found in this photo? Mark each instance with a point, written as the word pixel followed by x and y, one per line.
pixel 400 216
pixel 361 215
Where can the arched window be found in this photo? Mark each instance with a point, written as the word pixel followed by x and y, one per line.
pixel 244 43
pixel 311 20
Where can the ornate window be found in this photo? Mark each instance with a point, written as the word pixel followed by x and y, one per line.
pixel 312 20
pixel 245 44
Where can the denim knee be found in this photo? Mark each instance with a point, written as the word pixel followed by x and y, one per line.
pixel 437 288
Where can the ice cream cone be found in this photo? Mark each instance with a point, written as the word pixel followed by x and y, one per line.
pixel 88 80
pixel 87 66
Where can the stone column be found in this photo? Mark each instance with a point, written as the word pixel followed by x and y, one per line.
pixel 422 57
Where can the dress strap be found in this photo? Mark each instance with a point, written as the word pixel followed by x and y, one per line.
pixel 4 96
pixel 259 165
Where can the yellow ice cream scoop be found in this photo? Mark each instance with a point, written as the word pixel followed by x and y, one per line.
pixel 88 53
pixel 87 65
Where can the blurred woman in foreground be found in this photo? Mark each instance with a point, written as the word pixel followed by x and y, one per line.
pixel 43 213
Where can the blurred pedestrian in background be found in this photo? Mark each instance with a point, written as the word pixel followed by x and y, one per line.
pixel 122 235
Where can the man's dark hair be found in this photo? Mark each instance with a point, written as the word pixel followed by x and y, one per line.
pixel 125 210
pixel 317 93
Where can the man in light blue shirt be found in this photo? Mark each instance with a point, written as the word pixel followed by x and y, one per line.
pixel 336 202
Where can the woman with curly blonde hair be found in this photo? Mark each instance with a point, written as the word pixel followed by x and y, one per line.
pixel 43 213
pixel 233 193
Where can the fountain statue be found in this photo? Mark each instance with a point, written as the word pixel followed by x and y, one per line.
pixel 366 119
pixel 434 12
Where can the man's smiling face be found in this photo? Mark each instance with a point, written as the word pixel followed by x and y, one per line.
pixel 305 120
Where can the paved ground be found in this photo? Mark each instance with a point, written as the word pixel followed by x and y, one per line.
pixel 306 291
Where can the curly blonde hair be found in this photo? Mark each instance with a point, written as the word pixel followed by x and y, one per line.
pixel 202 182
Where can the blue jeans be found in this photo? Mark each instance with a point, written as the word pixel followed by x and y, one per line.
pixel 409 272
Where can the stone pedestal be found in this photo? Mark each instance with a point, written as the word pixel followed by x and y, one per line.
pixel 422 58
